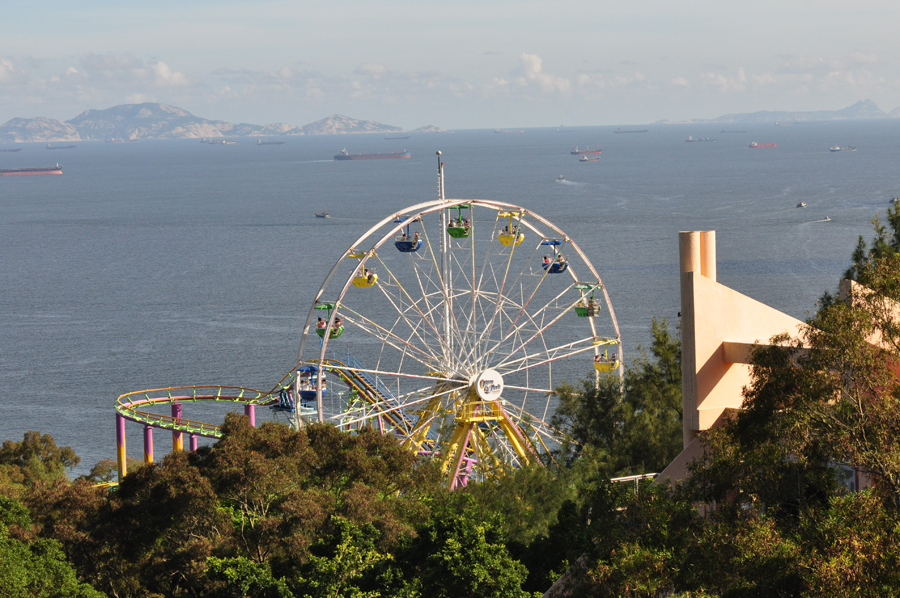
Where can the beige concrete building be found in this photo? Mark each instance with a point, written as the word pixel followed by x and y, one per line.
pixel 719 326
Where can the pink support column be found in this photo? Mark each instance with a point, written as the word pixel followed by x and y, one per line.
pixel 120 445
pixel 177 440
pixel 250 411
pixel 193 442
pixel 148 444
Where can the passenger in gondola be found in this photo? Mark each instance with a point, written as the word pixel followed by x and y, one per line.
pixel 515 228
pixel 370 277
pixel 404 237
pixel 596 359
pixel 560 259
pixel 547 260
pixel 416 238
pixel 337 323
pixel 467 223
pixel 505 230
pixel 320 323
pixel 591 305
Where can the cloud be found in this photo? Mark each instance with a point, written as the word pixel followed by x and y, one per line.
pixel 725 83
pixel 10 74
pixel 532 73
pixel 681 82
pixel 166 77
pixel 864 57
pixel 373 70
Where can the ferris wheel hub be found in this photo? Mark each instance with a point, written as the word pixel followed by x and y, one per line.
pixel 488 385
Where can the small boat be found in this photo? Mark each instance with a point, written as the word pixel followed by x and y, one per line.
pixel 586 159
pixel 323 214
pixel 827 219
pixel 846 148
pixel 692 140
pixel 895 200
pixel 754 144
pixel 802 204
pixel 560 178
pixel 267 142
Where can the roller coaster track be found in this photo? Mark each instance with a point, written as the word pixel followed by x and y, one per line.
pixel 131 405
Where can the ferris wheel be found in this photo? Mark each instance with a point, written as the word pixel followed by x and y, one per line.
pixel 448 325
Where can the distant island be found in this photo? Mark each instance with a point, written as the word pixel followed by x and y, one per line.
pixel 161 121
pixel 859 110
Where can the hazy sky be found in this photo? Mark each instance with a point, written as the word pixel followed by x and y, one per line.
pixel 456 64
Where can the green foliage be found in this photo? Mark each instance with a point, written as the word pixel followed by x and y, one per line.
pixel 884 244
pixel 33 568
pixel 631 432
pixel 347 558
pixel 36 458
pixel 458 553
pixel 237 577
pixel 525 500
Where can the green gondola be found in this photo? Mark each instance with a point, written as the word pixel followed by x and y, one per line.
pixel 337 329
pixel 589 308
pixel 460 227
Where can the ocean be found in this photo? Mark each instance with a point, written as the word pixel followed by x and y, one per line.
pixel 171 262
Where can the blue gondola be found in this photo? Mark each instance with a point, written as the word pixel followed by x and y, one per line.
pixel 308 381
pixel 558 264
pixel 556 267
pixel 406 242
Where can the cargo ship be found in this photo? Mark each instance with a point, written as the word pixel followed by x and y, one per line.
pixel 18 149
pixel 30 171
pixel 754 144
pixel 399 138
pixel 276 142
pixel 621 130
pixel 585 152
pixel 60 146
pixel 345 155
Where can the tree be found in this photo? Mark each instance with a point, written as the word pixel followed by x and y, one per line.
pixel 34 567
pixel 458 553
pixel 37 458
pixel 637 431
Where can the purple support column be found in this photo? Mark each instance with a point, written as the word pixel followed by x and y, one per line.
pixel 193 442
pixel 177 440
pixel 250 411
pixel 120 445
pixel 148 444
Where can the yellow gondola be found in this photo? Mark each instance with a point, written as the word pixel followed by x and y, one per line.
pixel 606 363
pixel 510 234
pixel 460 227
pixel 365 280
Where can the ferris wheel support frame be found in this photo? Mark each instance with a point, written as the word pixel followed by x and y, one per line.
pixel 477 423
